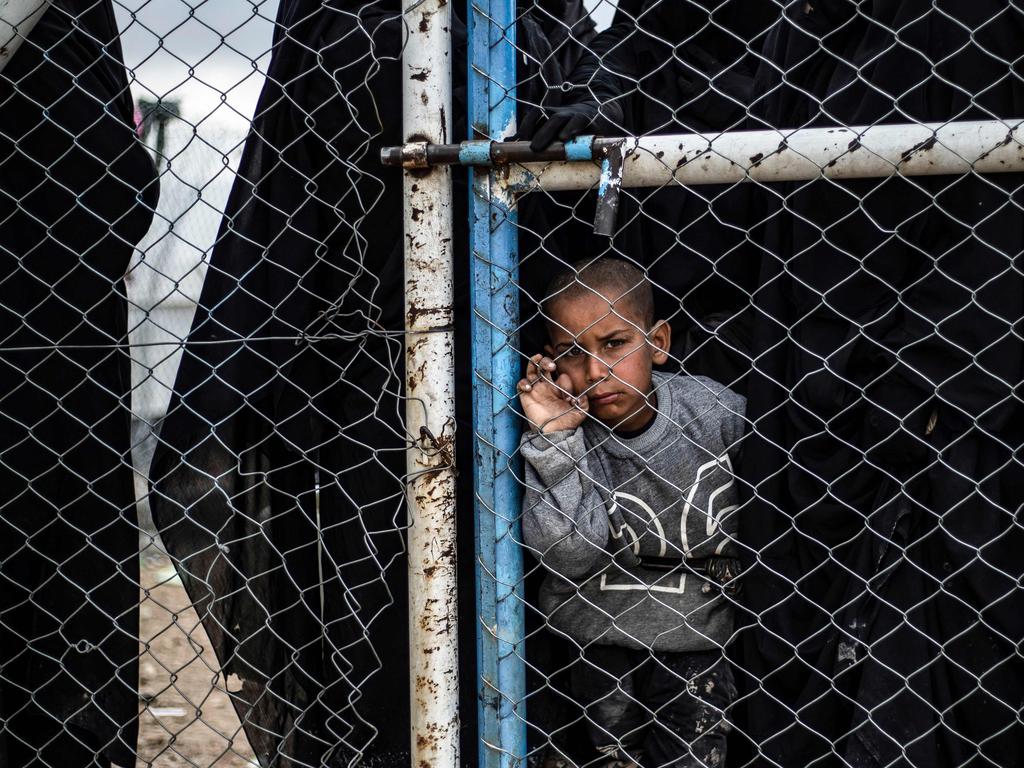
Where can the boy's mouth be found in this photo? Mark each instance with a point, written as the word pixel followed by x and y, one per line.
pixel 605 398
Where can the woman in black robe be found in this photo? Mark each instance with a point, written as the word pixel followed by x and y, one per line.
pixel 883 464
pixel 278 486
pixel 77 191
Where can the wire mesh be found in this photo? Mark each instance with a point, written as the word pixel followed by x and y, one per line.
pixel 810 556
pixel 793 542
pixel 203 558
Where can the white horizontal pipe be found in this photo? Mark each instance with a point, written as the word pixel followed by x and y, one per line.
pixel 992 146
pixel 17 18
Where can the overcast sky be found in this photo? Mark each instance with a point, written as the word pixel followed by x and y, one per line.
pixel 219 40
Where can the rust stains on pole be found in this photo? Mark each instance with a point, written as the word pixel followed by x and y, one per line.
pixel 430 402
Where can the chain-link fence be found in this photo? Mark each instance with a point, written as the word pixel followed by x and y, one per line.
pixel 738 397
pixel 768 351
pixel 234 607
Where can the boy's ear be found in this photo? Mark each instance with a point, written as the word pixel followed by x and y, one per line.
pixel 660 337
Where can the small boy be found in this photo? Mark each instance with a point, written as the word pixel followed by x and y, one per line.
pixel 630 505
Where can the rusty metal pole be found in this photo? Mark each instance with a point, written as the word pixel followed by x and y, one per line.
pixel 430 384
pixel 839 152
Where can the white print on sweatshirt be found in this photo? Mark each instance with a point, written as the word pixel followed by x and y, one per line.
pixel 624 502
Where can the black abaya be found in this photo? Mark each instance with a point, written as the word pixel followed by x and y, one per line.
pixel 76 193
pixel 276 486
pixel 672 67
pixel 883 465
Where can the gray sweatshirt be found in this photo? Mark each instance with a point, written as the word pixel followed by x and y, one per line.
pixel 596 503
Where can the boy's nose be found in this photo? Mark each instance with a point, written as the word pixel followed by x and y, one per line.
pixel 597 369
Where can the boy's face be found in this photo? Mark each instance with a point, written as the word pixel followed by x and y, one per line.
pixel 607 353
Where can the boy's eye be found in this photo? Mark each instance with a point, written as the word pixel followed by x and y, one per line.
pixel 569 352
pixel 613 343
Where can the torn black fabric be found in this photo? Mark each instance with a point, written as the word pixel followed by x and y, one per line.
pixel 77 191
pixel 883 464
pixel 278 483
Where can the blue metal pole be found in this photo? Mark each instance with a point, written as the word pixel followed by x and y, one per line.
pixel 483 421
pixel 496 370
pixel 505 369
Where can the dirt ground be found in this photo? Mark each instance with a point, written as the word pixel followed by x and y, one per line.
pixel 185 716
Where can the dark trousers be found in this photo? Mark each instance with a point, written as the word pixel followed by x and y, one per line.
pixel 656 709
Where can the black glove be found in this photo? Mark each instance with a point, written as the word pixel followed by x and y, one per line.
pixel 597 108
pixel 545 125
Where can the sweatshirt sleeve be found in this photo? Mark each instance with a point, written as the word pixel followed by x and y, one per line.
pixel 565 520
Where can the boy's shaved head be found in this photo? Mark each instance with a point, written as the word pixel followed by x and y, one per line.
pixel 620 281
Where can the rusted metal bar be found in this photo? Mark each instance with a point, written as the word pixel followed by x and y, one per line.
pixel 991 146
pixel 910 149
pixel 496 366
pixel 481 152
pixel 430 385
pixel 608 191
pixel 503 261
pixel 484 454
pixel 17 18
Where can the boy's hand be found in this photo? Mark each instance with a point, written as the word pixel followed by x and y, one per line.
pixel 548 403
